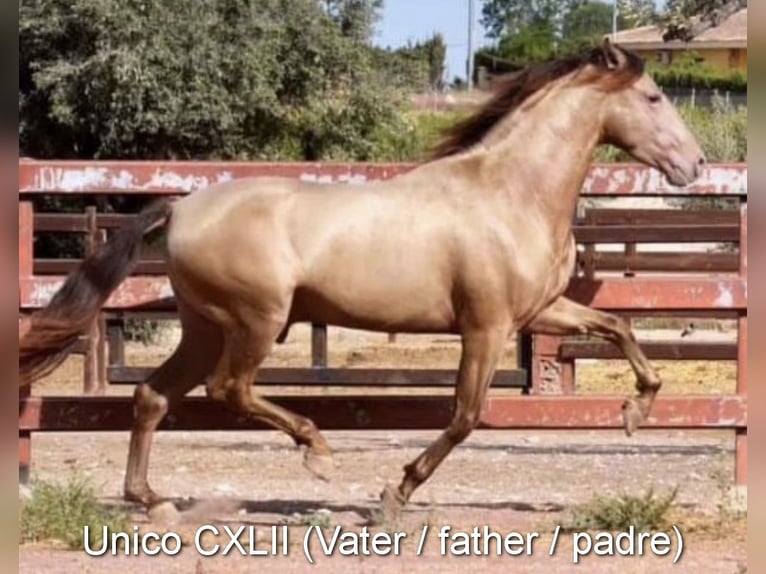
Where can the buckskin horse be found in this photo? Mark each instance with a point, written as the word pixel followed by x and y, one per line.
pixel 476 241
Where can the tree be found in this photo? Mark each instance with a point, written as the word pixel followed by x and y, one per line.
pixel 356 18
pixel 586 24
pixel 635 13
pixel 506 17
pixel 182 79
pixel 686 19
pixel 532 31
pixel 415 67
pixel 437 55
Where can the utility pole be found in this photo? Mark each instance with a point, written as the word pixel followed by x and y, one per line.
pixel 614 20
pixel 469 63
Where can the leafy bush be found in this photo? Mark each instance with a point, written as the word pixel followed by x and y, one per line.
pixel 200 79
pixel 690 71
pixel 644 512
pixel 59 511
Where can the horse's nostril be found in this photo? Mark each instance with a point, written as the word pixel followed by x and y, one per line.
pixel 701 161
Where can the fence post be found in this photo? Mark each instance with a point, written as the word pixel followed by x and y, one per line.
pixel 550 375
pixel 740 446
pixel 94 371
pixel 318 346
pixel 26 269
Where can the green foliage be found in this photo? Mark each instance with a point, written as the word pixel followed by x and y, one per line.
pixel 635 13
pixel 507 17
pixel 721 130
pixel 356 18
pixel 685 19
pixel 60 510
pixel 644 512
pixel 229 79
pixel 415 67
pixel 585 26
pixel 319 519
pixel 529 32
pixel 691 71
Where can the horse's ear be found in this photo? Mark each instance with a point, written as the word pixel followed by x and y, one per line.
pixel 612 57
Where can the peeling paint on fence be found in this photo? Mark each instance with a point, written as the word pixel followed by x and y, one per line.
pixel 621 179
pixel 185 177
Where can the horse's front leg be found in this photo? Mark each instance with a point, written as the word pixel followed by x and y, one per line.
pixel 565 317
pixel 480 354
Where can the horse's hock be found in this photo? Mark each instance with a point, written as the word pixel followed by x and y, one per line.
pixel 662 280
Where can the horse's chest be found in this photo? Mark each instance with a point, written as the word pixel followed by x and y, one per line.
pixel 546 274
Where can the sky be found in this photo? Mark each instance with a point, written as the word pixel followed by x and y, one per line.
pixel 413 20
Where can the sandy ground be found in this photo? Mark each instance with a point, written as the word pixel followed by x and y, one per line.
pixel 508 480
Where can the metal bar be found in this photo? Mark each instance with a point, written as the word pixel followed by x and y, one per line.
pixel 342 377
pixel 740 446
pixel 26 239
pixel 318 345
pixel 686 262
pixel 642 293
pixel 116 342
pixel 387 412
pixel 638 216
pixel 660 294
pixel 655 350
pixel 688 233
pixel 173 178
pixel 91 366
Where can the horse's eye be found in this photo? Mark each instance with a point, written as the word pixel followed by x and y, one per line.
pixel 654 98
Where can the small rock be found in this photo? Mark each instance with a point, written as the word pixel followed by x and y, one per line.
pixel 25 493
pixel 164 513
pixel 736 499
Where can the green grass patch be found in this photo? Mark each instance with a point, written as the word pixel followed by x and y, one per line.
pixel 59 511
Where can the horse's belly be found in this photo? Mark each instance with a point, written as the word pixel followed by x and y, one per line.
pixel 377 301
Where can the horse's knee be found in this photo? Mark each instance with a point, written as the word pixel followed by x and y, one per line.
pixel 150 405
pixel 462 424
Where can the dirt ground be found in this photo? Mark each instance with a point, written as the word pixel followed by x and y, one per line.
pixel 510 481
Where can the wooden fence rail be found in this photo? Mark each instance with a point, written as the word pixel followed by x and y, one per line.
pixel 634 282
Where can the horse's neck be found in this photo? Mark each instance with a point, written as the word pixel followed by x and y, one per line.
pixel 543 150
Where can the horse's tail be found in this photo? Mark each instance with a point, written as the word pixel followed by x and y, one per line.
pixel 54 330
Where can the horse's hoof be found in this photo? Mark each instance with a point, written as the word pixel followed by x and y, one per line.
pixel 145 496
pixel 391 503
pixel 164 513
pixel 320 465
pixel 632 416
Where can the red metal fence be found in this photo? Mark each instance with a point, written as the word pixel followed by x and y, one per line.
pixel 717 288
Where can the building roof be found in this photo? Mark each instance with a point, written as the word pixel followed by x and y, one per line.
pixel 731 33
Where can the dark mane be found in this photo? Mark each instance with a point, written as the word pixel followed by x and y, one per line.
pixel 514 90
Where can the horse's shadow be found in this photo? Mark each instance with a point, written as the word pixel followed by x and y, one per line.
pixel 296 511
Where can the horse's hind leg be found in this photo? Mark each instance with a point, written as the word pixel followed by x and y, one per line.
pixel 191 362
pixel 246 348
pixel 565 317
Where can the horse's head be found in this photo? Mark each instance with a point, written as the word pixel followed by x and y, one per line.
pixel 641 120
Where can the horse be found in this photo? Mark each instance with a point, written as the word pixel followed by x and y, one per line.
pixel 475 241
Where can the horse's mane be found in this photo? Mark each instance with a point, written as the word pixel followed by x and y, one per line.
pixel 513 90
